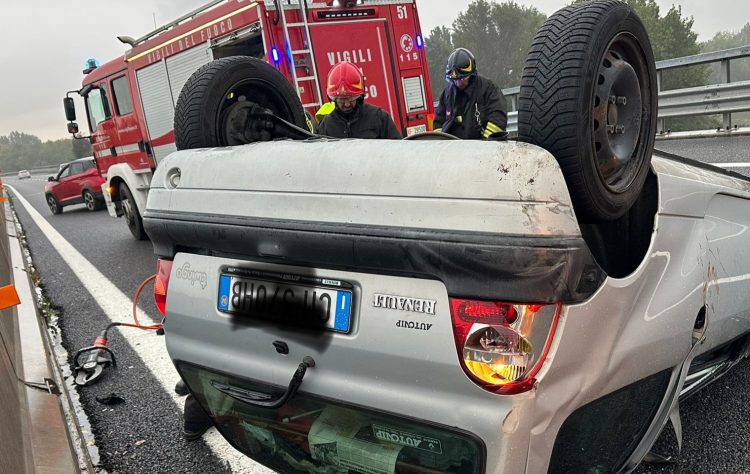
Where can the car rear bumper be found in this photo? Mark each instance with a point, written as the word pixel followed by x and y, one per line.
pixel 539 269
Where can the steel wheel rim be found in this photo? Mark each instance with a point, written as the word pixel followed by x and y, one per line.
pixel 617 114
pixel 242 95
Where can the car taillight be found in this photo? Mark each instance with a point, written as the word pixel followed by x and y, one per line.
pixel 161 284
pixel 502 346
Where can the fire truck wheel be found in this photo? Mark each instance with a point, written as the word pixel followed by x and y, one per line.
pixel 131 214
pixel 54 206
pixel 221 90
pixel 592 103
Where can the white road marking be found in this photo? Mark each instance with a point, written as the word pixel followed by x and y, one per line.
pixel 731 165
pixel 152 350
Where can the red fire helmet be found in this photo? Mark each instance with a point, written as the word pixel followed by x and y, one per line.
pixel 345 80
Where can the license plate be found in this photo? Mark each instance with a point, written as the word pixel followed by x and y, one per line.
pixel 307 301
pixel 416 129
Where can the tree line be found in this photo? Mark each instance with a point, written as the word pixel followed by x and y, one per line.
pixel 24 151
pixel 500 34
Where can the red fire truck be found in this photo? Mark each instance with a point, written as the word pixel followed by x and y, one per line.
pixel 130 100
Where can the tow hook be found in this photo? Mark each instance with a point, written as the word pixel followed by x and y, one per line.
pixel 96 361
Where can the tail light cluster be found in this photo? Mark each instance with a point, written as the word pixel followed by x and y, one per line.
pixel 502 346
pixel 161 284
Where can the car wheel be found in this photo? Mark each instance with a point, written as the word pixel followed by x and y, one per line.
pixel 92 203
pixel 54 206
pixel 131 213
pixel 589 96
pixel 221 91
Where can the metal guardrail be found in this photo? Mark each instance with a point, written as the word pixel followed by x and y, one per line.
pixel 725 98
pixel 713 99
pixel 704 58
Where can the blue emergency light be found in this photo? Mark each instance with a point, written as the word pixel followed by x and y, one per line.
pixel 275 54
pixel 91 64
pixel 419 42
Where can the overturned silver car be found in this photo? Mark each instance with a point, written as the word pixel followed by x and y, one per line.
pixel 449 306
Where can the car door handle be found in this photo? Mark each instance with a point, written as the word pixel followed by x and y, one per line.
pixel 264 400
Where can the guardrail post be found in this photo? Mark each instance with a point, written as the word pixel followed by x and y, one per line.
pixel 726 78
pixel 659 122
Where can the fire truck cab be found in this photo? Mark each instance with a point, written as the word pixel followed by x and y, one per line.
pixel 130 101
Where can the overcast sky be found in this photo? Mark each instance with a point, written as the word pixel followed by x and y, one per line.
pixel 46 42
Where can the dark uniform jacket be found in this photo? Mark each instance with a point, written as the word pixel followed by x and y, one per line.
pixel 365 121
pixel 473 113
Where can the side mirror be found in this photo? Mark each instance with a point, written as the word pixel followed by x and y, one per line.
pixel 70 109
pixel 72 128
pixel 51 178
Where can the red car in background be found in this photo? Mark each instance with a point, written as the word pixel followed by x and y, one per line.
pixel 77 182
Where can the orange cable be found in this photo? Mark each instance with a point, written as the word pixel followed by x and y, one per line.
pixel 137 324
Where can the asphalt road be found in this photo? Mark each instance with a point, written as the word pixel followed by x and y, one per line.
pixel 143 434
pixel 722 151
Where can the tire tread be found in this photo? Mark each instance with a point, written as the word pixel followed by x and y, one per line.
pixel 551 93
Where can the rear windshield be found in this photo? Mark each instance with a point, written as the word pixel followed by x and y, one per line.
pixel 312 435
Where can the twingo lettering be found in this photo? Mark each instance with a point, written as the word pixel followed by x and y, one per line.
pixel 186 273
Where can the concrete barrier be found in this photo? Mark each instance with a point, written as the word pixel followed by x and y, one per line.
pixel 34 434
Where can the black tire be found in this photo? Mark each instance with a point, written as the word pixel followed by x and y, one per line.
pixel 583 56
pixel 215 92
pixel 54 206
pixel 131 213
pixel 90 200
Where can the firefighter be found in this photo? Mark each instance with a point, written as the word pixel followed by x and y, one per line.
pixel 471 107
pixel 351 116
